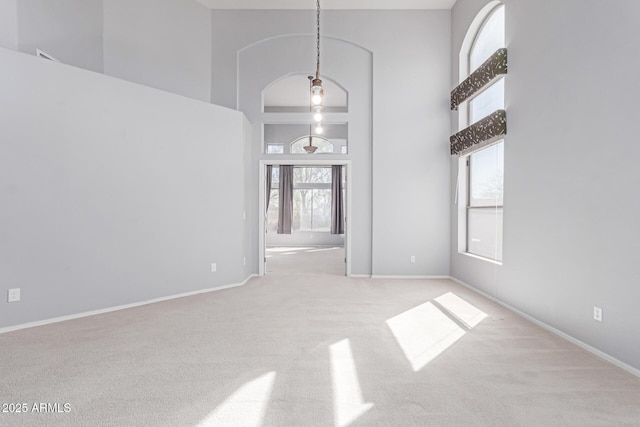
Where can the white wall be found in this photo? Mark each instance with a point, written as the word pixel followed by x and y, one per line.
pixel 249 242
pixel 345 63
pixel 69 30
pixel 571 179
pixel 165 44
pixel 112 192
pixel 9 24
pixel 401 171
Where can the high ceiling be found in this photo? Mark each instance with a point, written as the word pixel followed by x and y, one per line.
pixel 328 4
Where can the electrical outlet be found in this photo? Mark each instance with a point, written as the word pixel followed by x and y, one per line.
pixel 597 314
pixel 214 267
pixel 244 260
pixel 13 295
pixel 413 259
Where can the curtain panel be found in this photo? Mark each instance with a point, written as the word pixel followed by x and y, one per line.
pixel 337 201
pixel 268 186
pixel 285 211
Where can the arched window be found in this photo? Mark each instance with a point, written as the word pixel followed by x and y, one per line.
pixel 489 38
pixel 485 166
pixel 323 144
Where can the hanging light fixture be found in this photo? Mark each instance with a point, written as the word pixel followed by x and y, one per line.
pixel 310 149
pixel 316 93
pixel 317 113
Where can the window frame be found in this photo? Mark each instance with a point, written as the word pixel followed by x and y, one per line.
pixel 485 20
pixel 310 186
pixel 465 120
pixel 468 207
pixel 299 186
pixel 274 144
pixel 469 102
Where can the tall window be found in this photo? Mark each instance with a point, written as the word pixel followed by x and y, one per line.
pixel 490 38
pixel 485 167
pixel 311 199
pixel 484 202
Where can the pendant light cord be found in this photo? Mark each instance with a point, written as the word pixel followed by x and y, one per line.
pixel 317 39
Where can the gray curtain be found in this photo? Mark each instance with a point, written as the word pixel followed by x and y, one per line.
pixel 337 202
pixel 285 211
pixel 269 176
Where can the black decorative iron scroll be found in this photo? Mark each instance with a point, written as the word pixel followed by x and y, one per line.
pixel 480 133
pixel 492 68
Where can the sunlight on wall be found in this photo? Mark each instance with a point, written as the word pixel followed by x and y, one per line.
pixel 348 403
pixel 424 332
pixel 461 310
pixel 246 407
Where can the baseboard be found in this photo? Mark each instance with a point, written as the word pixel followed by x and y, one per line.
pixel 555 331
pixel 119 307
pixel 305 246
pixel 365 276
pixel 382 276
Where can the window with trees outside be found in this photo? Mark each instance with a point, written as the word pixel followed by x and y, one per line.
pixel 485 167
pixel 311 199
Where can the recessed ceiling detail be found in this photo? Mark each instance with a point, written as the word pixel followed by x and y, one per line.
pixel 328 4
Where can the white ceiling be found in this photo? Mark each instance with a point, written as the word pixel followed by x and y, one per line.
pixel 328 4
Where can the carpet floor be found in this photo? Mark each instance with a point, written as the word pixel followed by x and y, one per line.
pixel 306 346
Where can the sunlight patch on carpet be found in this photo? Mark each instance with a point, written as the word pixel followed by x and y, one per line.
pixel 288 248
pixel 245 407
pixel 466 313
pixel 348 403
pixel 424 332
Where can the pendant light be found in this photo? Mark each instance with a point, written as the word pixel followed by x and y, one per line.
pixel 316 93
pixel 310 149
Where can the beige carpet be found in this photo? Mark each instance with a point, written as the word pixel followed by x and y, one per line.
pixel 296 260
pixel 302 348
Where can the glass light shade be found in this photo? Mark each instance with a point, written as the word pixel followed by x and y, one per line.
pixel 317 113
pixel 316 95
pixel 317 116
